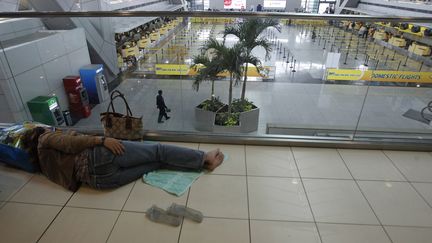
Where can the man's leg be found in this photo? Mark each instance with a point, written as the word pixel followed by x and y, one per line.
pixel 123 176
pixel 133 167
pixel 137 153
pixel 160 115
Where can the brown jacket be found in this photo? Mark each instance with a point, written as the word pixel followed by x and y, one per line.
pixel 57 155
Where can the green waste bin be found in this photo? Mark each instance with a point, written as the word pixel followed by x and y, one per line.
pixel 46 109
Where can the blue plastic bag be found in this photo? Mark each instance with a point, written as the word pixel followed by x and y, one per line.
pixel 11 152
pixel 16 157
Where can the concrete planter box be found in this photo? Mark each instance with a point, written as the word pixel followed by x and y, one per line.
pixel 204 120
pixel 249 120
pixel 227 129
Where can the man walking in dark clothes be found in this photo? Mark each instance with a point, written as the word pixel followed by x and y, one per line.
pixel 160 103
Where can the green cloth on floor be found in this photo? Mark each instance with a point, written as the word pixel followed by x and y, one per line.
pixel 175 182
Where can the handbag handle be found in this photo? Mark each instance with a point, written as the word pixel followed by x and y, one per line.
pixel 108 121
pixel 111 104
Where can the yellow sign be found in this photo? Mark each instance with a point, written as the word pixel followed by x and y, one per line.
pixel 345 74
pixel 379 75
pixel 183 69
pixel 172 69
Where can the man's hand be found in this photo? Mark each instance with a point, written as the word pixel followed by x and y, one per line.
pixel 114 145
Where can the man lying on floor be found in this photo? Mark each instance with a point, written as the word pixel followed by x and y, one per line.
pixel 69 159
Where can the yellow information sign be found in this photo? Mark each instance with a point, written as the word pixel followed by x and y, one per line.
pixel 379 75
pixel 172 69
pixel 345 74
pixel 184 69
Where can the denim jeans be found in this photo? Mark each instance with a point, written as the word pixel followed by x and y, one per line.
pixel 110 171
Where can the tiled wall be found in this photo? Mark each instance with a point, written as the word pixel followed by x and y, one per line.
pixel 37 68
pixel 9 5
pixel 12 28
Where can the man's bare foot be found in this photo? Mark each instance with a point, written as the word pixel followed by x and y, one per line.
pixel 213 159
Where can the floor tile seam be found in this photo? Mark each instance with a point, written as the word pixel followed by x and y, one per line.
pixel 216 174
pixel 411 183
pixel 181 226
pixel 342 179
pixel 306 195
pixel 36 203
pixel 319 222
pixel 93 208
pixel 17 191
pixel 247 194
pixel 364 196
pixel 118 216
pixel 313 178
pixel 55 217
pixel 418 193
pixel 299 221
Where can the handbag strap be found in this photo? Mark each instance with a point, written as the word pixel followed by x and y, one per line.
pixel 111 104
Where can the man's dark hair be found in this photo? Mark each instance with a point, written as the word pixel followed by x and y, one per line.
pixel 30 139
pixel 160 92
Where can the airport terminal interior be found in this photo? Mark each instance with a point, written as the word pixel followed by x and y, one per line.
pixel 322 108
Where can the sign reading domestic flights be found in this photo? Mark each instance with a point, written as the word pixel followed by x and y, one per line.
pixel 379 76
pixel 234 4
pixel 274 4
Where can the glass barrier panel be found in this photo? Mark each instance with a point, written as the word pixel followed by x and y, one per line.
pixel 292 77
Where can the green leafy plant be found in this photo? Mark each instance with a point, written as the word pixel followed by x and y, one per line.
pixel 240 105
pixel 249 34
pixel 228 59
pixel 227 119
pixel 213 104
pixel 208 69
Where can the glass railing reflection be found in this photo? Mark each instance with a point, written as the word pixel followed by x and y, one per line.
pixel 303 77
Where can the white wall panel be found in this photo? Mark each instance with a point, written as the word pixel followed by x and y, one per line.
pixel 23 115
pixel 24 58
pixel 6 27
pixel 5 71
pixel 32 83
pixel 62 98
pixel 8 7
pixel 74 39
pixel 55 71
pixel 12 96
pixel 77 59
pixel 5 112
pixel 51 48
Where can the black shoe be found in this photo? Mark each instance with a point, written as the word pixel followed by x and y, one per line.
pixel 160 122
pixel 168 118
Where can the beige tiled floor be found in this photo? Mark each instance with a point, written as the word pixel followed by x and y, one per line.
pixel 260 194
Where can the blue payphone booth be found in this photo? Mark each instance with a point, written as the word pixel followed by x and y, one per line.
pixel 94 81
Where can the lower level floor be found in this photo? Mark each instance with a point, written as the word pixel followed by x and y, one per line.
pixel 293 106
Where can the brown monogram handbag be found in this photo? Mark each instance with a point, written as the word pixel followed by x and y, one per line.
pixel 120 126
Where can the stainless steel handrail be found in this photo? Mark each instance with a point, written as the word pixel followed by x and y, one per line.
pixel 280 140
pixel 214 14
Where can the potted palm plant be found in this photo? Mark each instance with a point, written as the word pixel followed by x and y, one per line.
pixel 240 115
pixel 229 59
pixel 205 112
pixel 224 60
pixel 249 35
